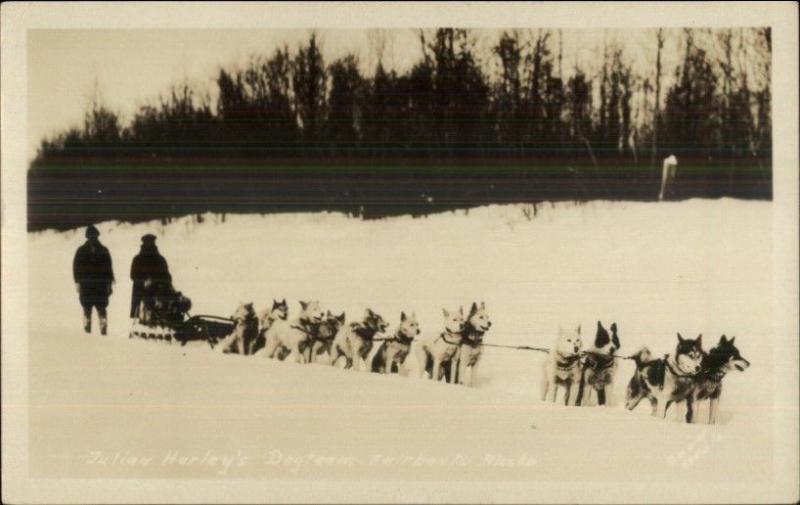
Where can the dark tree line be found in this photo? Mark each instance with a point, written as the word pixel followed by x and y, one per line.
pixel 515 103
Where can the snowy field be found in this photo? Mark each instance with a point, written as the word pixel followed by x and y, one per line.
pixel 110 406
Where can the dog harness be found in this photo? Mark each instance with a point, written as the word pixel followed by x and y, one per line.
pixel 471 336
pixel 362 331
pixel 598 362
pixel 567 362
pixel 676 373
pixel 400 338
pixel 442 336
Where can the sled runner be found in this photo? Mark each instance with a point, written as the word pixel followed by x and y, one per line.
pixel 211 329
pixel 163 314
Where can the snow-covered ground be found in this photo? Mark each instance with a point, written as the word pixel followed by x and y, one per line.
pixel 111 406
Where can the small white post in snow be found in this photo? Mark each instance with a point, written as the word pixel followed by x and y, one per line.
pixel 667 174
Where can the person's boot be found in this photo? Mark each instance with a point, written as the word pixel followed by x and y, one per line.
pixel 103 325
pixel 87 324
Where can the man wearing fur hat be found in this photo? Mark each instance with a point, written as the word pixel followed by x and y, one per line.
pixel 93 275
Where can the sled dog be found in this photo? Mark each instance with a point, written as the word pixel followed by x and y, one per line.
pixel 716 364
pixel 245 331
pixel 599 365
pixel 293 333
pixel 432 351
pixel 321 342
pixel 354 341
pixel 392 353
pixel 279 310
pixel 471 348
pixel 666 380
pixel 563 367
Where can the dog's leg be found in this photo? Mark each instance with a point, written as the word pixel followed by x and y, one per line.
pixel 389 360
pixel 601 395
pixel 584 399
pixel 422 360
pixel 689 409
pixel 662 406
pixel 335 355
pixel 632 401
pixel 552 388
pixel 270 346
pixel 568 394
pixel 437 368
pixel 634 394
pixel 455 364
pixel 357 358
pixel 713 405
pixel 473 375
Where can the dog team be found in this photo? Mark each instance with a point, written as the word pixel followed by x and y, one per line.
pixel 687 375
pixel 315 336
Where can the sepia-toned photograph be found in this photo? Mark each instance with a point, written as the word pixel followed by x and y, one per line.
pixel 386 253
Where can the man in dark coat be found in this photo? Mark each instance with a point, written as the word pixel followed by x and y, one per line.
pixel 149 273
pixel 93 275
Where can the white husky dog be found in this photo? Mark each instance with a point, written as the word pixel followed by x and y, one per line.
pixel 433 350
pixel 563 367
pixel 293 333
pixel 469 354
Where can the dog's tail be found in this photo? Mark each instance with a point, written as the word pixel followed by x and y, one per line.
pixel 642 356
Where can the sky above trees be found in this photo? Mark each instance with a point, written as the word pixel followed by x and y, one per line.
pixel 124 71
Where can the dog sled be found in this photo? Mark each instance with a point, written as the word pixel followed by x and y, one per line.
pixel 163 314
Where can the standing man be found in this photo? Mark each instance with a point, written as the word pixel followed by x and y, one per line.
pixel 93 275
pixel 149 273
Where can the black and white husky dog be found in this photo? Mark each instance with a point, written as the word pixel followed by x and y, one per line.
pixel 353 342
pixel 720 360
pixel 392 353
pixel 599 365
pixel 667 380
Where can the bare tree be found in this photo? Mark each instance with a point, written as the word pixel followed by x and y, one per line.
pixel 656 106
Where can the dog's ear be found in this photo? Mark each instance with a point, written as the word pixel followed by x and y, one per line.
pixel 328 314
pixel 402 316
pixel 446 314
pixel 579 330
pixel 614 327
pixel 461 310
pixel 599 326
pixel 731 340
pixel 483 306
pixel 680 338
pixel 340 317
pixel 723 339
pixel 303 304
pixel 369 313
pixel 698 342
pixel 283 302
pixel 473 309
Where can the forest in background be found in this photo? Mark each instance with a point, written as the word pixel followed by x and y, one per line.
pixel 510 111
